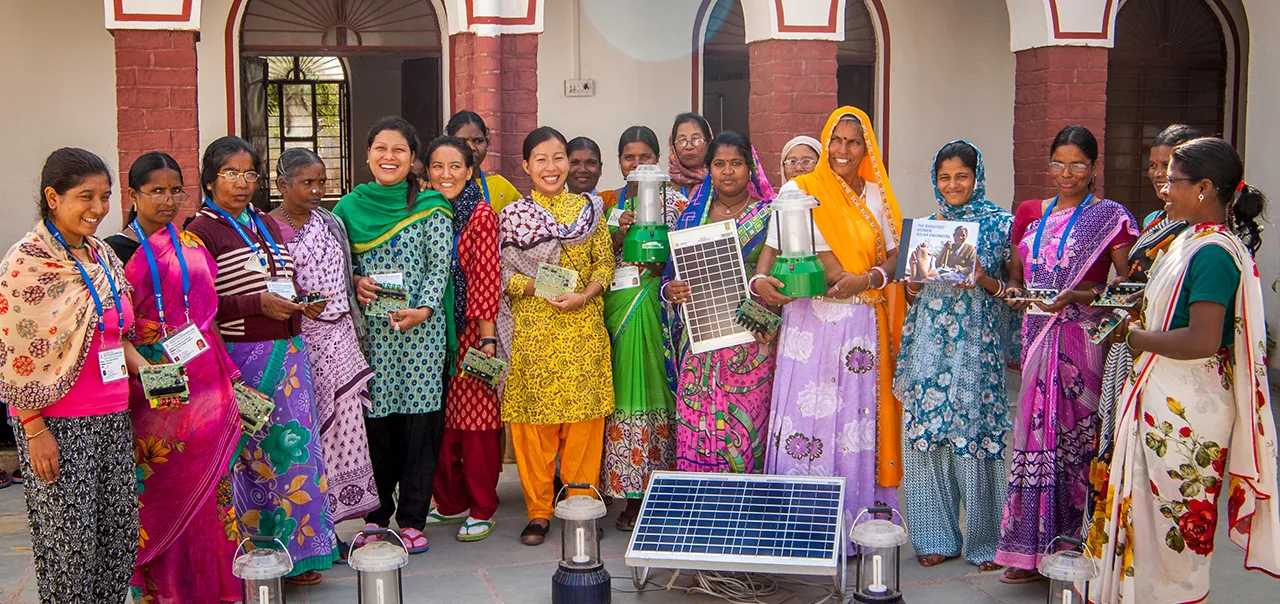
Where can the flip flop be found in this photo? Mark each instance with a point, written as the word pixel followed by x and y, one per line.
pixel 414 540
pixel 308 578
pixel 534 533
pixel 366 539
pixel 435 518
pixel 1020 578
pixel 466 534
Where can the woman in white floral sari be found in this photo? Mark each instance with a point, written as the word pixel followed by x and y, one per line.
pixel 1195 416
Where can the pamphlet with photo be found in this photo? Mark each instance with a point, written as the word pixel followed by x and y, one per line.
pixel 938 251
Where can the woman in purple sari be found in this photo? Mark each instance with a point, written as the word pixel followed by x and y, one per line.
pixel 1070 243
pixel 183 453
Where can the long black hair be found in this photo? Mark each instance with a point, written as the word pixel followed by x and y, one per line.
pixel 142 169
pixel 541 135
pixel 1175 134
pixel 64 169
pixel 453 142
pixel 410 134
pixel 640 134
pixel 1214 160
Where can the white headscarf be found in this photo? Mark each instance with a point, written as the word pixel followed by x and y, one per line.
pixel 791 144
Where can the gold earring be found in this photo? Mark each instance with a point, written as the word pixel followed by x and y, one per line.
pixel 1202 198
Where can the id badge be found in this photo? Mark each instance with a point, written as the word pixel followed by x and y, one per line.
pixel 396 279
pixel 184 345
pixel 626 277
pixel 281 286
pixel 614 216
pixel 111 365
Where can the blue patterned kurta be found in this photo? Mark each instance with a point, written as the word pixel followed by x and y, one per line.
pixel 408 366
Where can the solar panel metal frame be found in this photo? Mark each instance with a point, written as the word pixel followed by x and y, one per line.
pixel 831 564
pixel 711 311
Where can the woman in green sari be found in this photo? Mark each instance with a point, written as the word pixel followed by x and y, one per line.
pixel 639 436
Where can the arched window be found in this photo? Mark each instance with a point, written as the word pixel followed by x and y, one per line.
pixel 856 60
pixel 1169 65
pixel 726 68
pixel 307 106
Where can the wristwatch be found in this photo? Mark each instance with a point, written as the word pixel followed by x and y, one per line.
pixel 486 341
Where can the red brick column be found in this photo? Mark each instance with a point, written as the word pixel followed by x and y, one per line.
pixel 1055 86
pixel 156 103
pixel 793 92
pixel 497 77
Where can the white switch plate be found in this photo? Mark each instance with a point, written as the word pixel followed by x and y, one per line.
pixel 583 87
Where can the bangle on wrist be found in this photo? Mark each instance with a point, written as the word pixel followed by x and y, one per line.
pixel 486 341
pixel 884 277
pixel 1128 334
pixel 31 419
pixel 751 283
pixel 31 437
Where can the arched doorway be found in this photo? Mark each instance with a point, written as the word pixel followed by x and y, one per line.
pixel 856 59
pixel 726 68
pixel 1169 65
pixel 318 73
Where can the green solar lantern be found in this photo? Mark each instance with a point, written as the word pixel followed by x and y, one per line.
pixel 646 241
pixel 797 266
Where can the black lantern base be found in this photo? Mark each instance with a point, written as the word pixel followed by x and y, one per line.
pixel 590 585
pixel 889 597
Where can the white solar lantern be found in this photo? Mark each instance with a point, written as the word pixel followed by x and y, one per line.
pixel 378 565
pixel 1066 568
pixel 879 547
pixel 261 569
pixel 646 241
pixel 581 577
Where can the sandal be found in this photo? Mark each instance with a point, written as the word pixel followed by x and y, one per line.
pixel 5 481
pixel 989 566
pixel 16 477
pixel 626 521
pixel 366 539
pixel 932 560
pixel 1016 576
pixel 344 550
pixel 435 518
pixel 474 530
pixel 414 540
pixel 534 533
pixel 308 578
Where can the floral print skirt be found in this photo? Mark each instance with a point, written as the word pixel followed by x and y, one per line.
pixel 279 484
pixel 825 392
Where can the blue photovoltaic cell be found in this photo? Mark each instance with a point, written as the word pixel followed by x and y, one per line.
pixel 690 514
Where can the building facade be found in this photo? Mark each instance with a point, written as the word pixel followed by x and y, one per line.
pixel 122 77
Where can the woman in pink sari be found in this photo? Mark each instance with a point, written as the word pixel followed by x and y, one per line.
pixel 183 453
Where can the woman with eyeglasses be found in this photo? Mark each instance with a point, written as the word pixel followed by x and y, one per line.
pixel 686 159
pixel 183 450
pixel 799 156
pixel 1067 244
pixel 278 480
pixel 469 126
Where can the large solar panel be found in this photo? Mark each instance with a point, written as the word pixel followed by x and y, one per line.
pixel 709 259
pixel 735 522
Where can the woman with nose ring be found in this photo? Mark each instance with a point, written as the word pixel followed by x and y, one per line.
pixel 318 243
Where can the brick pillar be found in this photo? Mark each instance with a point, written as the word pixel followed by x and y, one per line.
pixel 497 77
pixel 1055 86
pixel 793 92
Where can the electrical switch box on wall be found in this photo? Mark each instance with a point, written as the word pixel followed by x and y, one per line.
pixel 582 87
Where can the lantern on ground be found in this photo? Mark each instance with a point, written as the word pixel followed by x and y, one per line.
pixel 378 564
pixel 646 241
pixel 1066 568
pixel 581 578
pixel 261 569
pixel 879 546
pixel 797 266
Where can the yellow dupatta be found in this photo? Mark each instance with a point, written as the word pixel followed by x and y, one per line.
pixel 853 233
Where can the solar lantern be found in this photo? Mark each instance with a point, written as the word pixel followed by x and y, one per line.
pixel 1066 568
pixel 378 565
pixel 646 241
pixel 879 547
pixel 797 266
pixel 581 577
pixel 261 569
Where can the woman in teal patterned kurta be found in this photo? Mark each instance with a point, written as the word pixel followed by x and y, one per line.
pixel 950 379
pixel 401 235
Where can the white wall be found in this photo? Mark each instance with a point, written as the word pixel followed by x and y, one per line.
pixel 952 76
pixel 65 98
pixel 1262 155
pixel 639 55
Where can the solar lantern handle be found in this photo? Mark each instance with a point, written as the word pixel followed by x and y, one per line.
pixel 1076 544
pixel 379 532
pixel 576 485
pixel 878 510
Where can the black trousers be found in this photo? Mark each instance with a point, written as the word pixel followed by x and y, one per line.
pixel 403 448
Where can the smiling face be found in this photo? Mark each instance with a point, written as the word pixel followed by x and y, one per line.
pixel 1182 196
pixel 157 201
pixel 234 195
pixel 846 148
pixel 584 171
pixel 477 140
pixel 955 181
pixel 390 158
pixel 547 166
pixel 79 211
pixel 1158 167
pixel 448 171
pixel 729 171
pixel 633 154
pixel 303 192
pixel 1077 172
pixel 801 159
pixel 691 145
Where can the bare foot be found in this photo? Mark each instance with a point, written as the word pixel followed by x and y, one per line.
pixel 1020 575
pixel 932 560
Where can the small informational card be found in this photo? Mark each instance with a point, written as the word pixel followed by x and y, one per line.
pixel 1117 295
pixel 255 407
pixel 553 281
pixel 615 215
pixel 391 299
pixel 111 365
pixel 625 277
pixel 282 286
pixel 938 251
pixel 757 317
pixel 185 344
pixel 1100 330
pixel 483 367
pixel 165 386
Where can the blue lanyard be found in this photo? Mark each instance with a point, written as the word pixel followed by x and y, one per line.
pixel 485 187
pixel 253 217
pixel 1062 243
pixel 88 281
pixel 156 284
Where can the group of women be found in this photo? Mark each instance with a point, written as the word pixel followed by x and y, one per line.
pixel 369 410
